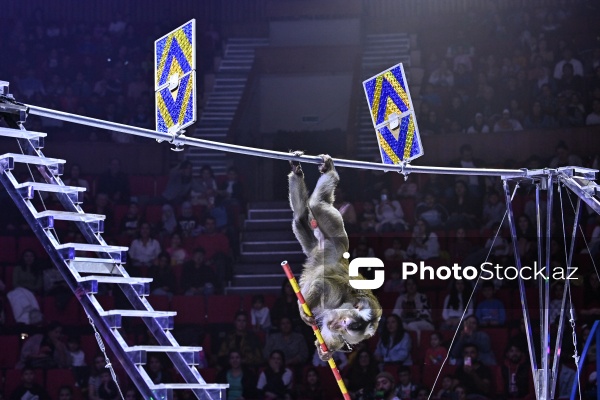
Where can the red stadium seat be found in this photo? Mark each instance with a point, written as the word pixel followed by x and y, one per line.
pixel 13 379
pixel 222 308
pixel 71 315
pixel 190 309
pixel 9 254
pixel 55 378
pixel 153 214
pixel 142 185
pixel 213 244
pixel 159 303
pixel 9 355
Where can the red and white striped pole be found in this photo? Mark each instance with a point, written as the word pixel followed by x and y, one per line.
pixel 316 330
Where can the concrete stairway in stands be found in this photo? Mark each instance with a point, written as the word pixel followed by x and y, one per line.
pixel 267 240
pixel 222 103
pixel 381 52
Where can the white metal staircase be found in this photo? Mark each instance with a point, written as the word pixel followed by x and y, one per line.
pixel 222 103
pixel 267 239
pixel 85 266
pixel 381 51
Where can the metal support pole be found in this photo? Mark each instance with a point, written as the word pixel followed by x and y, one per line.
pixel 540 280
pixel 513 233
pixel 251 151
pixel 545 377
pixel 561 322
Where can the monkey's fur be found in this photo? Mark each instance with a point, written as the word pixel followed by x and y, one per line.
pixel 345 315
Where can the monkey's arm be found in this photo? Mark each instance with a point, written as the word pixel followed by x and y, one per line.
pixel 298 202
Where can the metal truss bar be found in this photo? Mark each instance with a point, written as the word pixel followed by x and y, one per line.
pixel 251 151
pixel 561 321
pixel 513 233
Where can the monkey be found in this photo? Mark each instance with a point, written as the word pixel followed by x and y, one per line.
pixel 345 315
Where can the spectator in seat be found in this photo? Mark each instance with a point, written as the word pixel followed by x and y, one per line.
pixel 311 388
pixel 102 206
pixel 179 255
pixel 493 210
pixel 455 303
pixel 360 378
pixel 292 344
pixel 424 244
pixel 390 216
pixel 156 371
pixel 406 389
pixel 347 211
pixel 198 277
pixel 144 250
pixel 28 388
pixel 474 375
pixel 74 179
pixel 204 187
pixel 537 119
pixel 28 273
pixel 275 380
pixel 45 351
pixel 470 335
pixel 214 241
pixel 115 183
pixel 593 118
pixel 491 311
pixel 394 253
pixel 108 389
pixel 460 247
pixel 368 217
pixel 259 314
pixel 394 345
pixel 179 183
pixel 233 190
pixel 435 353
pixel 241 380
pixel 568 59
pixel 431 211
pixel 188 224
pixel 168 222
pixel 564 157
pixel 340 360
pixel 515 373
pixel 242 340
pixel 286 305
pixel 163 279
pixel 95 380
pixel 385 386
pixel 130 224
pixel 80 369
pixel 462 207
pixel 65 393
pixel 413 309
pixel 506 123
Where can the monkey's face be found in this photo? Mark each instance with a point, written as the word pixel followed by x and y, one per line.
pixel 350 324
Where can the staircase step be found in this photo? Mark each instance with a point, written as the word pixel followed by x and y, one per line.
pixel 276 246
pixel 26 190
pixel 250 280
pixel 138 353
pixel 274 236
pixel 268 224
pixel 281 213
pixel 181 386
pixel 114 317
pixel 20 134
pixel 264 268
pixel 114 279
pixel 56 165
pixel 69 250
pixel 95 221
pixel 275 258
pixel 88 265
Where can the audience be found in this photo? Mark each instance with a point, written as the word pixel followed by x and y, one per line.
pixel 394 344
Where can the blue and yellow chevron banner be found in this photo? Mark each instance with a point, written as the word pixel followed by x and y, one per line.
pixel 174 78
pixel 178 108
pixel 175 53
pixel 387 95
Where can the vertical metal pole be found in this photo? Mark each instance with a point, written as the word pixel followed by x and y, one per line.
pixel 597 360
pixel 540 280
pixel 546 320
pixel 513 233
pixel 561 321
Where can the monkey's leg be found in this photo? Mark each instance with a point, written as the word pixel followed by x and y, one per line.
pixel 298 202
pixel 329 219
